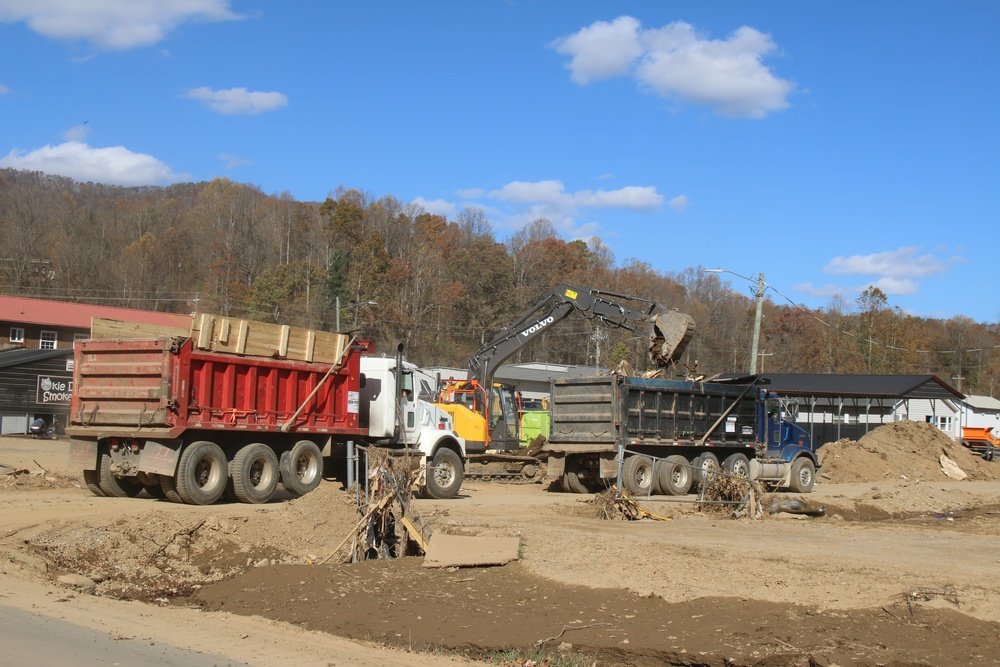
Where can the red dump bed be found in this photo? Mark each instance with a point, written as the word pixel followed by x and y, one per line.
pixel 162 387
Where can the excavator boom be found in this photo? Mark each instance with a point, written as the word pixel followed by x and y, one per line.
pixel 669 331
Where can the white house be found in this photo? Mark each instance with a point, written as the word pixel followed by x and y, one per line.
pixel 981 411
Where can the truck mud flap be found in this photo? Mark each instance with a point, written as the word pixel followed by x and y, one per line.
pixel 83 454
pixel 159 457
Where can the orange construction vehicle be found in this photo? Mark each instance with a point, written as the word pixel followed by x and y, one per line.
pixel 980 440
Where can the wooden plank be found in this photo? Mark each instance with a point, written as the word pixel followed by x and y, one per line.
pixel 310 346
pixel 201 331
pixel 261 339
pixel 414 533
pixel 101 327
pixel 241 338
pixel 283 344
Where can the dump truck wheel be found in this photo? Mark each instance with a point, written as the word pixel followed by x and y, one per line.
pixel 169 487
pixel 572 481
pixel 115 487
pixel 737 464
pixel 803 475
pixel 673 476
pixel 301 467
pixel 702 467
pixel 444 476
pixel 637 475
pixel 254 472
pixel 202 473
pixel 151 485
pixel 92 479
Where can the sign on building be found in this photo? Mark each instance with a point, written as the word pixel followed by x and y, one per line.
pixel 54 390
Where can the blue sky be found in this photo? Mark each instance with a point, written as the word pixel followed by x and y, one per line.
pixel 830 146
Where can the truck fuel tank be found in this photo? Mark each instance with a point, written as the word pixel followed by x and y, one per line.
pixel 768 471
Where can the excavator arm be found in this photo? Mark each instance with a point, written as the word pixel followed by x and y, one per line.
pixel 486 414
pixel 668 330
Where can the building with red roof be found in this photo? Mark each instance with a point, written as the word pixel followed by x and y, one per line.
pixel 53 325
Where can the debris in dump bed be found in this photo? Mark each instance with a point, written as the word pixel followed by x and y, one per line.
pixel 389 525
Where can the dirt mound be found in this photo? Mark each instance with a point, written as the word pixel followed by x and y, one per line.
pixel 25 479
pixel 165 554
pixel 905 450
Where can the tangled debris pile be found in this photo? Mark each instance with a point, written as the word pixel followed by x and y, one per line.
pixel 905 450
pixel 738 495
pixel 389 526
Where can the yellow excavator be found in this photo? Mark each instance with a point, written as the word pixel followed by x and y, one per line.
pixel 487 414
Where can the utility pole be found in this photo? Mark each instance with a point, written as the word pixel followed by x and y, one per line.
pixel 756 323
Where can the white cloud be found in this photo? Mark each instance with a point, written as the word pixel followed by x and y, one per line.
pixel 112 25
pixel 676 62
pixel 553 193
pixel 437 206
pixel 233 161
pixel 77 132
pixel 601 50
pixel 116 165
pixel 895 286
pixel 679 203
pixel 889 286
pixel 520 203
pixel 238 101
pixel 4 89
pixel 902 263
pixel 824 291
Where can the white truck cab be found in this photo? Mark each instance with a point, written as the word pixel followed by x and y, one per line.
pixel 396 417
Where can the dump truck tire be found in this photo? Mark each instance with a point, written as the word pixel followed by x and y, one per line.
pixel 706 462
pixel 445 475
pixel 673 476
pixel 803 475
pixel 169 487
pixel 254 472
pixel 202 473
pixel 115 487
pixel 301 467
pixel 92 479
pixel 637 475
pixel 737 464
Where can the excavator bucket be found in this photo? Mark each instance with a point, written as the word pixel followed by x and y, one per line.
pixel 672 331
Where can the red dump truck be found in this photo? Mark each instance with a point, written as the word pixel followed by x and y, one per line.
pixel 197 417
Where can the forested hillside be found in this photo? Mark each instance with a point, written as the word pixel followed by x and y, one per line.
pixel 439 286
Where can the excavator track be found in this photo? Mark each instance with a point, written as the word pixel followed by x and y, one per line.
pixel 508 468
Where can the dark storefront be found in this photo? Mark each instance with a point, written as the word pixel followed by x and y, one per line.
pixel 35 384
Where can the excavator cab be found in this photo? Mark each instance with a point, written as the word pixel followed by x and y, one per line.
pixel 483 421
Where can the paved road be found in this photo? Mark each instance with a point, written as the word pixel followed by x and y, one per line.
pixel 27 638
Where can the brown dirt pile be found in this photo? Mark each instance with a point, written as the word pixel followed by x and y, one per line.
pixel 906 450
pixel 160 555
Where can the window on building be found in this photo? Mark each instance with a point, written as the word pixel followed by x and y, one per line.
pixel 944 422
pixel 79 336
pixel 48 340
pixel 16 335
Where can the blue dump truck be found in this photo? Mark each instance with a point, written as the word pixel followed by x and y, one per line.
pixel 671 432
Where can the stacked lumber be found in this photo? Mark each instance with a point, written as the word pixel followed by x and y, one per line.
pixel 237 336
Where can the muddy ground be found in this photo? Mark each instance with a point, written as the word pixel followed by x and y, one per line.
pixel 902 569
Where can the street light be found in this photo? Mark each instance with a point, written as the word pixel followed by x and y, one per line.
pixel 756 318
pixel 355 305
